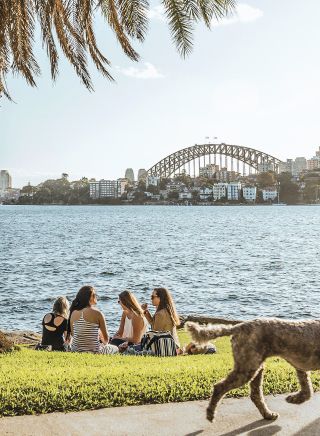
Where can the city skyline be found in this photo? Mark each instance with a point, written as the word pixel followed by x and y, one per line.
pixel 293 165
pixel 252 81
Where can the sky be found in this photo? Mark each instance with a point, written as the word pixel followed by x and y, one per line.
pixel 253 80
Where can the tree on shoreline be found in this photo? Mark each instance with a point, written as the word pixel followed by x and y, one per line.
pixel 72 21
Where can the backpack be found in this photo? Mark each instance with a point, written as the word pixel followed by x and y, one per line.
pixel 161 344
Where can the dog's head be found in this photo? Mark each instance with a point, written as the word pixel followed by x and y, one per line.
pixel 193 348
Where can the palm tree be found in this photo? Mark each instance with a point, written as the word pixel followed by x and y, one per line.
pixel 70 23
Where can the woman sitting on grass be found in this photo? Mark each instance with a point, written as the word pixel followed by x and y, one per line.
pixel 54 325
pixel 165 317
pixel 133 324
pixel 87 324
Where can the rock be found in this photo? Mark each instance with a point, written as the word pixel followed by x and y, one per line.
pixel 27 337
pixel 6 345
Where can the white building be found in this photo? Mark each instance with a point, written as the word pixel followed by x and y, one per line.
pixel 123 183
pixel 152 180
pixel 205 194
pixel 185 194
pixel 270 193
pixel 5 180
pixel 234 191
pixel 249 193
pixel 105 189
pixel 219 191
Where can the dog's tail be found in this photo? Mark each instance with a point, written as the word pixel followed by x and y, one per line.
pixel 203 334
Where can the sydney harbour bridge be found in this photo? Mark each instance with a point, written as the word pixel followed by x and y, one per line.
pixel 235 157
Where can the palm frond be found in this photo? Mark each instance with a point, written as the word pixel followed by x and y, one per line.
pixel 180 25
pixel 70 24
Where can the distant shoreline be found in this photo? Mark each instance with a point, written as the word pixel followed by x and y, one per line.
pixel 164 204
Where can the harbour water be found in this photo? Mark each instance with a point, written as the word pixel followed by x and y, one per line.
pixel 235 261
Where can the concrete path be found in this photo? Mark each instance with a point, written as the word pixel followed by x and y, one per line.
pixel 235 417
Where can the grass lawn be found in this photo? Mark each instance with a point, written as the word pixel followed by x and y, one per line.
pixel 41 382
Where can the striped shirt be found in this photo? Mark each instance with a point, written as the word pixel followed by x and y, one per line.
pixel 85 336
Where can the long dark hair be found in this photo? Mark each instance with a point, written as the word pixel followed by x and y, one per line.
pixel 166 302
pixel 81 301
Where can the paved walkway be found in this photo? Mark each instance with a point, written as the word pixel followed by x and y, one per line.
pixel 235 417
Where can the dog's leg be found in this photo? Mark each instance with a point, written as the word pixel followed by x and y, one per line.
pixel 235 379
pixel 306 388
pixel 256 395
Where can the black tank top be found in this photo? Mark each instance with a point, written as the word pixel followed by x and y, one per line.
pixel 55 337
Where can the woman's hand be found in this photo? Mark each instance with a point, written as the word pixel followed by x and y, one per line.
pixel 144 306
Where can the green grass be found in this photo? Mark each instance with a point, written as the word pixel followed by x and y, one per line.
pixel 41 382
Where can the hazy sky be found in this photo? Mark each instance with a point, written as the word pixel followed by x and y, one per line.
pixel 253 81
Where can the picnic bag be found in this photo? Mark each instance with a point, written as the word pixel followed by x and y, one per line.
pixel 161 344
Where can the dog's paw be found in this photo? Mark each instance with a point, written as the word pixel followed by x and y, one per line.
pixel 210 414
pixel 297 398
pixel 271 416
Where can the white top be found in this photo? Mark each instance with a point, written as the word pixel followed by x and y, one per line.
pixel 128 327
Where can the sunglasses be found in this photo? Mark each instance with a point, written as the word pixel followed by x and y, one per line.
pixel 119 301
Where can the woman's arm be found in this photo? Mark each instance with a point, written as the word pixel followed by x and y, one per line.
pixel 148 316
pixel 119 333
pixel 103 329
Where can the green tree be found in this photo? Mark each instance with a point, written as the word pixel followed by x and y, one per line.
pixel 266 179
pixel 173 195
pixel 71 24
pixel 289 191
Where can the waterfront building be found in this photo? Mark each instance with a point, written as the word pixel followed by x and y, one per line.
pixel 249 193
pixel 129 175
pixel 175 186
pixel 185 194
pixel 105 189
pixel 269 193
pixel 234 191
pixel 219 191
pixel 123 183
pixel 205 194
pixel 142 175
pixel 5 180
pixel 152 180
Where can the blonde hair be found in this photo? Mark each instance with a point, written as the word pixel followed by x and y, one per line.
pixel 61 307
pixel 128 299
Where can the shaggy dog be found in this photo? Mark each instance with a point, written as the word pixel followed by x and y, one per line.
pixel 298 342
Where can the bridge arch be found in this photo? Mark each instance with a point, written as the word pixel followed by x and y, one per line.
pixel 169 166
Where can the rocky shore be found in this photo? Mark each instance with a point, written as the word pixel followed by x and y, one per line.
pixel 8 339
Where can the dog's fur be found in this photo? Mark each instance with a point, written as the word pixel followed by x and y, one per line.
pixel 298 342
